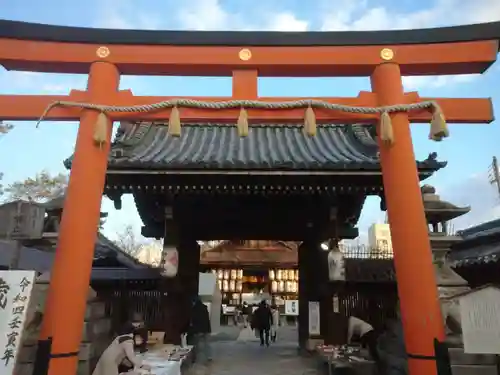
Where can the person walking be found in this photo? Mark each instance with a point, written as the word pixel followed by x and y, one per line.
pixel 262 321
pixel 199 332
pixel 276 322
pixel 246 312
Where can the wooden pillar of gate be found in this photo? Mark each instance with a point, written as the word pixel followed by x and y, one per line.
pixel 420 309
pixel 70 275
pixel 303 295
pixel 324 292
pixel 178 301
pixel 312 288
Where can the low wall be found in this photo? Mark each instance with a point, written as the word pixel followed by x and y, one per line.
pixel 95 338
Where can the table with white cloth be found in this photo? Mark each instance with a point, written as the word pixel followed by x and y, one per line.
pixel 167 359
pixel 343 356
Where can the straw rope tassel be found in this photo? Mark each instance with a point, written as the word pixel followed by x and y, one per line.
pixel 439 128
pixel 101 130
pixel 174 122
pixel 386 131
pixel 242 123
pixel 310 122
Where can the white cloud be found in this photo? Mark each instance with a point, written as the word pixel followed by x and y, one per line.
pixel 44 83
pixel 474 191
pixel 211 15
pixel 287 21
pixel 120 14
pixel 416 82
pixel 357 15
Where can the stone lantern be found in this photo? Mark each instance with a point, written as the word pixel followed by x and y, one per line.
pixel 439 213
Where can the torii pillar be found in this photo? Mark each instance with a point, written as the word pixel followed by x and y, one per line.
pixel 79 225
pixel 419 301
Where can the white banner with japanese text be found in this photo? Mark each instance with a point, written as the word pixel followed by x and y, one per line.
pixel 15 295
pixel 292 307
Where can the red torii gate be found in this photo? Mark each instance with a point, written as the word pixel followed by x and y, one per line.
pixel 384 56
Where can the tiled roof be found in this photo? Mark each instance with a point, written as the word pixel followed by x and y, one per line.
pixel 282 147
pixel 486 229
pixel 480 245
pixel 476 255
pixel 41 261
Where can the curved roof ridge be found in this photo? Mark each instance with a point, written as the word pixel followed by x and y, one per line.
pixel 278 147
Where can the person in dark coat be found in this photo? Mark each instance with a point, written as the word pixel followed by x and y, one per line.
pixel 199 331
pixel 262 321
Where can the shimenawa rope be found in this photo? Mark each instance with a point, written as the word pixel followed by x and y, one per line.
pixel 439 129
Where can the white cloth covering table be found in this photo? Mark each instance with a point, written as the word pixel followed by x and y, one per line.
pixel 158 359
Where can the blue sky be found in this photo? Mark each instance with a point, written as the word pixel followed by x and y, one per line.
pixel 27 150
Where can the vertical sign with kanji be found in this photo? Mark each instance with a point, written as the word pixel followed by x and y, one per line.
pixel 15 294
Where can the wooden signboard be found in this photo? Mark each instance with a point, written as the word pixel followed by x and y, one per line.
pixel 314 318
pixel 480 317
pixel 15 295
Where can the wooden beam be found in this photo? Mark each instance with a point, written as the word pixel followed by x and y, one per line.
pixel 289 61
pixel 286 233
pixel 31 107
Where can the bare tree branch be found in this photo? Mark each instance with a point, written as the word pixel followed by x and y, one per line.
pixel 42 188
pixel 128 242
pixel 4 129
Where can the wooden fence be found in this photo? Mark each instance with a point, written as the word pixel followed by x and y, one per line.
pixel 373 302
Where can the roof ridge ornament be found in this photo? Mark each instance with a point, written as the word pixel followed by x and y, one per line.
pixel 438 130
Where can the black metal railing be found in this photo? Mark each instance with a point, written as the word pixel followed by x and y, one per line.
pixel 367 252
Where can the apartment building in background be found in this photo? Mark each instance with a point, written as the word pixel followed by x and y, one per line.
pixel 379 238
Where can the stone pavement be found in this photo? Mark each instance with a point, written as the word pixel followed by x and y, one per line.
pixel 244 356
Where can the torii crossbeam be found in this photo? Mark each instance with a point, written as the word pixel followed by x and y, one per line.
pixel 383 56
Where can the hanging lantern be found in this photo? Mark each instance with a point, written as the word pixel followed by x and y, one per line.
pixel 214 272
pixel 232 285
pixel 279 275
pixel 240 274
pixel 285 274
pixel 281 286
pixel 169 262
pixel 291 275
pixel 233 274
pixel 226 274
pixel 336 265
pixel 271 275
pixel 294 287
pixel 220 274
pixel 219 284
pixel 296 275
pixel 225 286
pixel 239 286
pixel 274 286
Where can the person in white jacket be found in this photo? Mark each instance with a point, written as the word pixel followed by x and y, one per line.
pixel 276 321
pixel 121 348
pixel 365 332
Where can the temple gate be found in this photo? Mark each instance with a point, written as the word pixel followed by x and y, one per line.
pixel 383 56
